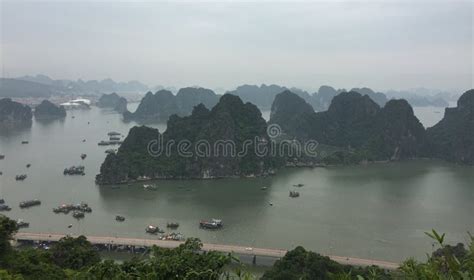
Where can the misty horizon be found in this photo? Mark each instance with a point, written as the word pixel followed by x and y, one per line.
pixel 394 45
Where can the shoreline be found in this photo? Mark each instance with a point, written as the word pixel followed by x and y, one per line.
pixel 223 248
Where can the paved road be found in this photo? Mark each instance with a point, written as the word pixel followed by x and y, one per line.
pixel 241 250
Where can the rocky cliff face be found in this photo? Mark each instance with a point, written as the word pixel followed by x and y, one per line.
pixel 378 97
pixel 399 133
pixel 14 114
pixel 114 101
pixel 160 106
pixel 453 137
pixel 355 123
pixel 293 114
pixel 48 110
pixel 216 140
pixel 188 97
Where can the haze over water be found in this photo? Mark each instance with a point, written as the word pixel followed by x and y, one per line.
pixel 374 211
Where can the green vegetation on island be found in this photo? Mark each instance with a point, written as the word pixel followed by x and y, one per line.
pixel 47 110
pixel 14 114
pixel 113 101
pixel 217 143
pixel 452 138
pixel 365 132
pixel 355 123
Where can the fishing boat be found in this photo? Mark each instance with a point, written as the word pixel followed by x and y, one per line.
pixel 24 142
pixel 20 177
pixel 22 224
pixel 4 207
pixel 152 229
pixel 74 170
pixel 30 203
pixel 298 185
pixel 78 214
pixel 211 224
pixel 28 165
pixel 83 156
pixel 150 187
pixel 119 218
pixel 172 225
pixel 2 156
pixel 113 133
pixel 294 194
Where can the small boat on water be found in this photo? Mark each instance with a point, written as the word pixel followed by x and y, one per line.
pixel 110 151
pixel 83 140
pixel 2 200
pixel 150 187
pixel 298 185
pixel 119 218
pixel 2 156
pixel 111 142
pixel 114 138
pixel 152 229
pixel 294 194
pixel 21 177
pixel 28 165
pixel 211 224
pixel 66 208
pixel 22 224
pixel 69 226
pixel 113 133
pixel 78 214
pixel 172 225
pixel 74 170
pixel 4 207
pixel 24 142
pixel 264 188
pixel 30 203
pixel 83 156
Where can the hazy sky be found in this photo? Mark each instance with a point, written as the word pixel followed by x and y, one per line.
pixel 383 44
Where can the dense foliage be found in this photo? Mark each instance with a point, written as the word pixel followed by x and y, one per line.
pixel 453 137
pixel 48 110
pixel 356 124
pixel 215 140
pixel 14 114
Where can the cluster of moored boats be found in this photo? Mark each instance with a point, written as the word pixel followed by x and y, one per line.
pixel 74 170
pixel 294 194
pixel 78 210
pixel 114 139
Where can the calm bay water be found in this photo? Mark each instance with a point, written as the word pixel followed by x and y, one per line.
pixel 374 211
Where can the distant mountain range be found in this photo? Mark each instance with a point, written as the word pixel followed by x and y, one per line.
pixel 262 96
pixel 160 106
